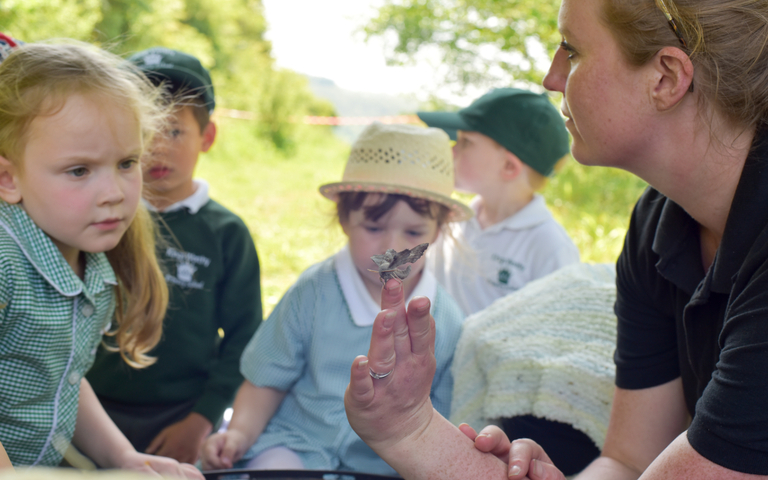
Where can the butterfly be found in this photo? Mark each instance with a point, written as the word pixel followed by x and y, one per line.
pixel 390 262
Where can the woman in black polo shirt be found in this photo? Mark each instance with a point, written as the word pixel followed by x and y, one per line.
pixel 676 92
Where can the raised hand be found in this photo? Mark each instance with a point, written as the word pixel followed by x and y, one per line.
pixel 387 410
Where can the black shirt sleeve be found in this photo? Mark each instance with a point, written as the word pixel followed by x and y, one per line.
pixel 730 427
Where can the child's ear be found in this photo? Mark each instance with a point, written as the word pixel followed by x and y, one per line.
pixel 9 191
pixel 209 135
pixel 344 226
pixel 511 167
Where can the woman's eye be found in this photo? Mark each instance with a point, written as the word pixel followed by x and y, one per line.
pixel 568 49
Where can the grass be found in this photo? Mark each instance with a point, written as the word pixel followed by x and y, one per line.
pixel 276 194
pixel 594 205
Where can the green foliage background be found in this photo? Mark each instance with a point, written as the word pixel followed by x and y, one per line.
pixel 226 35
pixel 268 170
pixel 483 43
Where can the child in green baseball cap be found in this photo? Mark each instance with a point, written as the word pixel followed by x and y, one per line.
pixel 507 143
pixel 212 272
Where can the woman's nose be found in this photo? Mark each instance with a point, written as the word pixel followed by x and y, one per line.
pixel 558 72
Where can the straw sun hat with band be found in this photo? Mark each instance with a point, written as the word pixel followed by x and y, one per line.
pixel 401 159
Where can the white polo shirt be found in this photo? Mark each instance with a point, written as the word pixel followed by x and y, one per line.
pixel 487 264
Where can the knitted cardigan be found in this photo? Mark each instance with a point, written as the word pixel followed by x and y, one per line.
pixel 545 350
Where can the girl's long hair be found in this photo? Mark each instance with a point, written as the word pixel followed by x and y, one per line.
pixel 37 79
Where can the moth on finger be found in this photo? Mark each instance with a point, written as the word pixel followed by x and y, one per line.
pixel 390 263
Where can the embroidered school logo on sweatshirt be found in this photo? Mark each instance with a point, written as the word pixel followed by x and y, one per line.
pixel 506 268
pixel 186 265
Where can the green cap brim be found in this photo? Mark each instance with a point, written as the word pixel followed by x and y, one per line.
pixel 186 80
pixel 450 122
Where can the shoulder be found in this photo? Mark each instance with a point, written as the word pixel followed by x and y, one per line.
pixel 543 223
pixel 317 277
pixel 643 227
pixel 11 255
pixel 550 236
pixel 647 211
pixel 314 292
pixel 224 227
pixel 218 216
pixel 16 273
pixel 8 258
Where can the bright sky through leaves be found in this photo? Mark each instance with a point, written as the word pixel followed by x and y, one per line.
pixel 318 38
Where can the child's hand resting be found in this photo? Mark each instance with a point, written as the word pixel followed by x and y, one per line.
pixel 222 450
pixel 182 440
pixel 142 462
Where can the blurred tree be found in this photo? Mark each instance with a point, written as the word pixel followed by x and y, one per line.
pixel 31 20
pixel 484 43
pixel 226 35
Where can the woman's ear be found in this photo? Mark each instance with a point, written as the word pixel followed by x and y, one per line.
pixel 673 77
pixel 9 190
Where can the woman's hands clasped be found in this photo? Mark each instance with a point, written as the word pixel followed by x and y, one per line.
pixel 526 458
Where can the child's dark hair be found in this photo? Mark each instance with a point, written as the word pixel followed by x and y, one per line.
pixel 200 112
pixel 352 201
pixel 186 98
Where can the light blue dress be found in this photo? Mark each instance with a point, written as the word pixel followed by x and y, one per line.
pixel 306 347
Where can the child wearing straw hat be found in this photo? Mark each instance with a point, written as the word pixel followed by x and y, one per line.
pixel 289 412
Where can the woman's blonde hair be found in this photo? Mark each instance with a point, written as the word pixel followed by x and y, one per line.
pixel 725 40
pixel 37 79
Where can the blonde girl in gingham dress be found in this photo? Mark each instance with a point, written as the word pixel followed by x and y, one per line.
pixel 76 249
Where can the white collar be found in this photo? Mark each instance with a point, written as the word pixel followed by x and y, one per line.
pixel 361 305
pixel 193 203
pixel 532 214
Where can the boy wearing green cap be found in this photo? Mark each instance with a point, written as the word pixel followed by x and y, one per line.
pixel 507 143
pixel 212 271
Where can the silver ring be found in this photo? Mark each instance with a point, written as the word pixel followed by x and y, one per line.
pixel 379 376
